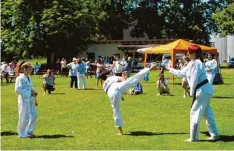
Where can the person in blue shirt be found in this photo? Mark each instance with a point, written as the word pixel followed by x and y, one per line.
pixel 73 73
pixel 36 68
pixel 81 69
pixel 137 89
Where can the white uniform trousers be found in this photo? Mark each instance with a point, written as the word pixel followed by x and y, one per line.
pixel 201 107
pixel 81 78
pixel 27 118
pixel 116 91
pixel 210 77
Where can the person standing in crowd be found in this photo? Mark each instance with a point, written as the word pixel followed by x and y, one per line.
pixel 48 82
pixel 81 73
pixel 185 84
pixel 99 71
pixel 26 100
pixel 58 66
pixel 115 87
pixel 202 92
pixel 36 68
pixel 88 68
pixel 63 65
pixel 73 73
pixel 211 68
pixel 118 67
pixel 129 66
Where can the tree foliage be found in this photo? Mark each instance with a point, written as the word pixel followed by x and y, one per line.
pixel 63 27
pixel 225 20
pixel 67 27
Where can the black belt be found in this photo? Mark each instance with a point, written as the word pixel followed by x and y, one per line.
pixel 197 87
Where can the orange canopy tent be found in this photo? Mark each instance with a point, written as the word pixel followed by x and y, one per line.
pixel 178 46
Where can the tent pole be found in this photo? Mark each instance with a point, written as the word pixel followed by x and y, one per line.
pixel 173 64
pixel 145 58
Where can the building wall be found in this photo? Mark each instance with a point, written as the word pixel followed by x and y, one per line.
pixel 225 46
pixel 230 47
pixel 103 50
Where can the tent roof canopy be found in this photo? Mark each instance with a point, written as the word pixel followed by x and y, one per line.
pixel 179 46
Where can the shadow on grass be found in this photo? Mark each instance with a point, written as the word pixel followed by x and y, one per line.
pixel 222 138
pixel 56 93
pixel 93 89
pixel 51 136
pixel 8 133
pixel 223 97
pixel 144 133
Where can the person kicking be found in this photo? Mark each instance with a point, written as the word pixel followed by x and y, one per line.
pixel 116 86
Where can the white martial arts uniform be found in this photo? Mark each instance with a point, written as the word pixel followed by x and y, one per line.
pixel 115 91
pixel 195 73
pixel 211 64
pixel 26 106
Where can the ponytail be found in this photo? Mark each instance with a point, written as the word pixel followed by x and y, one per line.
pixel 18 68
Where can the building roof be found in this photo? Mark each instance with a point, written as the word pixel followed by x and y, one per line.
pixel 128 47
pixel 136 42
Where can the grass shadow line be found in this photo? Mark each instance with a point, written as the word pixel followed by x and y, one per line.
pixel 93 89
pixel 52 136
pixel 223 97
pixel 145 133
pixel 55 93
pixel 8 133
pixel 222 138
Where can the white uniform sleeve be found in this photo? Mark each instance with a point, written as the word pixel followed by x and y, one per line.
pixel 33 88
pixel 195 70
pixel 180 73
pixel 138 77
pixel 25 93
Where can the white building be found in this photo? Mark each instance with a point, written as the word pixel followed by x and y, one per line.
pixel 225 47
pixel 124 47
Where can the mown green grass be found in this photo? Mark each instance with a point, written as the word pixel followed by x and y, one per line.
pixel 82 120
pixel 40 60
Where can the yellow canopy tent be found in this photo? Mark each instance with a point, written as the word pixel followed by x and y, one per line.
pixel 178 46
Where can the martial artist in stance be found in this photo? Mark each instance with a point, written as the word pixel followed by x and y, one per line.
pixel 202 92
pixel 211 68
pixel 26 100
pixel 115 87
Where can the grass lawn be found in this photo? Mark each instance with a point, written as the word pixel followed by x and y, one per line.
pixel 82 120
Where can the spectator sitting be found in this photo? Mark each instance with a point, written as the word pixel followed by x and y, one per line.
pixel 36 68
pixel 48 82
pixel 4 72
pixel 10 70
pixel 162 85
pixel 137 89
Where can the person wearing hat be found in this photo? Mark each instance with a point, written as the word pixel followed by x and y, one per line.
pixel 202 92
pixel 73 72
pixel 211 68
pixel 115 87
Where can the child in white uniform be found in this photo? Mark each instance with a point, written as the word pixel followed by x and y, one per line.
pixel 26 100
pixel 116 86
pixel 202 92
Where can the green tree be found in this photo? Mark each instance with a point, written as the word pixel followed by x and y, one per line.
pixel 225 20
pixel 42 27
